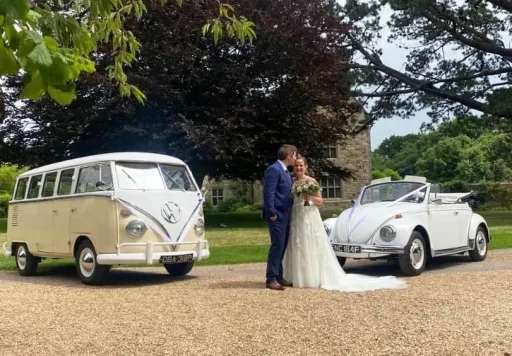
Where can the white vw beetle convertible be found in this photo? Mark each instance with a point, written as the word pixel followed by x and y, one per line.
pixel 410 220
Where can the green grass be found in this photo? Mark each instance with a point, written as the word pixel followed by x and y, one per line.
pixel 246 238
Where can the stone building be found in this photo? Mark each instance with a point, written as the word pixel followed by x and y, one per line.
pixel 354 153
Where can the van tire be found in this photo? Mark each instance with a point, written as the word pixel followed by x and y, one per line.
pixel 178 269
pixel 26 263
pixel 87 267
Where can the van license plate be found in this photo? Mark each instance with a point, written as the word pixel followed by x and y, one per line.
pixel 346 248
pixel 176 259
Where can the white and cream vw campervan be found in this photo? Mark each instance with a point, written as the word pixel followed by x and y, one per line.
pixel 109 209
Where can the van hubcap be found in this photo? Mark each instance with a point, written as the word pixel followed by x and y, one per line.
pixel 22 257
pixel 87 262
pixel 417 254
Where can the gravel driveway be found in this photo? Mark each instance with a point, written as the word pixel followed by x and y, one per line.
pixel 225 310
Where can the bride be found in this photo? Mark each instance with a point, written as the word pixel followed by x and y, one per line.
pixel 309 261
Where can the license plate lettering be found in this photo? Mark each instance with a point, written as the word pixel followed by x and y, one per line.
pixel 176 259
pixel 346 248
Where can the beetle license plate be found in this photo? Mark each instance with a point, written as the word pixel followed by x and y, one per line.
pixel 346 248
pixel 176 259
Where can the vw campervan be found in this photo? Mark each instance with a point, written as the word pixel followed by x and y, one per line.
pixel 108 209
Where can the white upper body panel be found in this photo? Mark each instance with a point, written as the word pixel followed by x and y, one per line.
pixel 107 157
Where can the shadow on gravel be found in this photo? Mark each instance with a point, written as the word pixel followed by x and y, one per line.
pixel 239 285
pixel 385 268
pixel 67 276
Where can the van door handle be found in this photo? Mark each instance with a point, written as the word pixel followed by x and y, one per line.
pixel 73 210
pixel 54 211
pixel 455 213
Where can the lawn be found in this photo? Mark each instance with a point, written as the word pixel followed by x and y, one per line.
pixel 243 238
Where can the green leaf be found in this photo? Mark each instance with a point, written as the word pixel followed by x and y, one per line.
pixel 40 55
pixel 35 88
pixel 50 43
pixel 179 2
pixel 16 9
pixel 205 29
pixel 8 63
pixel 62 96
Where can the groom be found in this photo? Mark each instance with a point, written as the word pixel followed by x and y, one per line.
pixel 277 204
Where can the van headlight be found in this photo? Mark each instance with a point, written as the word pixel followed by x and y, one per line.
pixel 327 229
pixel 199 227
pixel 387 233
pixel 136 228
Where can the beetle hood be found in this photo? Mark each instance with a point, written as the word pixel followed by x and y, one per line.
pixel 358 224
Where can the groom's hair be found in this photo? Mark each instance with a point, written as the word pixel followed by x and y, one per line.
pixel 285 151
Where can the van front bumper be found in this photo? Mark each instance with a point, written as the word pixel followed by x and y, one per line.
pixel 149 257
pixel 7 251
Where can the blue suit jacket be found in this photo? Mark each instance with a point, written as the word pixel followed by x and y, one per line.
pixel 277 185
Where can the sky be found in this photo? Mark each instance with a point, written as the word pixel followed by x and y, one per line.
pixel 394 57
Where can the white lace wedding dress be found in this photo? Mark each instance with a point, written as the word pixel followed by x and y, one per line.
pixel 310 262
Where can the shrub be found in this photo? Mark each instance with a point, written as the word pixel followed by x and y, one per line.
pixel 4 205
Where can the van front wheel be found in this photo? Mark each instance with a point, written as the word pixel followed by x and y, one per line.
pixel 178 269
pixel 88 269
pixel 26 263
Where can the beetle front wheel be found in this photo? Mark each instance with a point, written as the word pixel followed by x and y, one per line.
pixel 414 258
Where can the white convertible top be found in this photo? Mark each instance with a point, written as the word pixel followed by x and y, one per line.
pixel 106 157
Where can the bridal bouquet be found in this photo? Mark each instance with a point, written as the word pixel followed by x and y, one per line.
pixel 306 187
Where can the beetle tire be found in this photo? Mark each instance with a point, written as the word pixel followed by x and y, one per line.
pixel 405 260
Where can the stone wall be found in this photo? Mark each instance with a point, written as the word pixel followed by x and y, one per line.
pixel 354 153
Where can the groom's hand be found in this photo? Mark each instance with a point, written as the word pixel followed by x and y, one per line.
pixel 273 218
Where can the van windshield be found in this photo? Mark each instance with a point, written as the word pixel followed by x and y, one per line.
pixel 147 176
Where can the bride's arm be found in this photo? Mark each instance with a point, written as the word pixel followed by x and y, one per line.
pixel 317 199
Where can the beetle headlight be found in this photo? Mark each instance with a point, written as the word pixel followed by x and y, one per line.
pixel 199 227
pixel 136 228
pixel 327 229
pixel 387 233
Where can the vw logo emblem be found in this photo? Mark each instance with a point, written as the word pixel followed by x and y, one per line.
pixel 171 212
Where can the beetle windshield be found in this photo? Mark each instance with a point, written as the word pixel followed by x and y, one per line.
pixel 391 191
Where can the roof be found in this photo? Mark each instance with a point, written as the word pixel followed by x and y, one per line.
pixel 119 156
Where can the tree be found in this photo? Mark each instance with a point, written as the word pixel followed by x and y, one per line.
pixel 54 42
pixel 439 162
pixel 479 79
pixel 225 108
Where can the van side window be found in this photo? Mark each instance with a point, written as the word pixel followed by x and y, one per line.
pixel 89 176
pixel 21 189
pixel 33 189
pixel 65 182
pixel 49 184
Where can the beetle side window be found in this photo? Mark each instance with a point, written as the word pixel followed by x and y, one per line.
pixel 49 184
pixel 65 182
pixel 21 189
pixel 33 189
pixel 90 176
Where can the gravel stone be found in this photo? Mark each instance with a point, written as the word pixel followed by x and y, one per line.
pixel 225 310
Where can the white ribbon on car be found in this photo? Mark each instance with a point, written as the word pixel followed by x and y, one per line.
pixel 157 228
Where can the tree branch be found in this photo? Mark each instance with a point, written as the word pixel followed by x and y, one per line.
pixel 480 45
pixel 504 4
pixel 415 83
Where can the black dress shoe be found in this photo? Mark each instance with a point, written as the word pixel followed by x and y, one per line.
pixel 274 285
pixel 285 283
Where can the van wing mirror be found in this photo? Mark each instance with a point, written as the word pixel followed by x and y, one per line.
pixel 100 185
